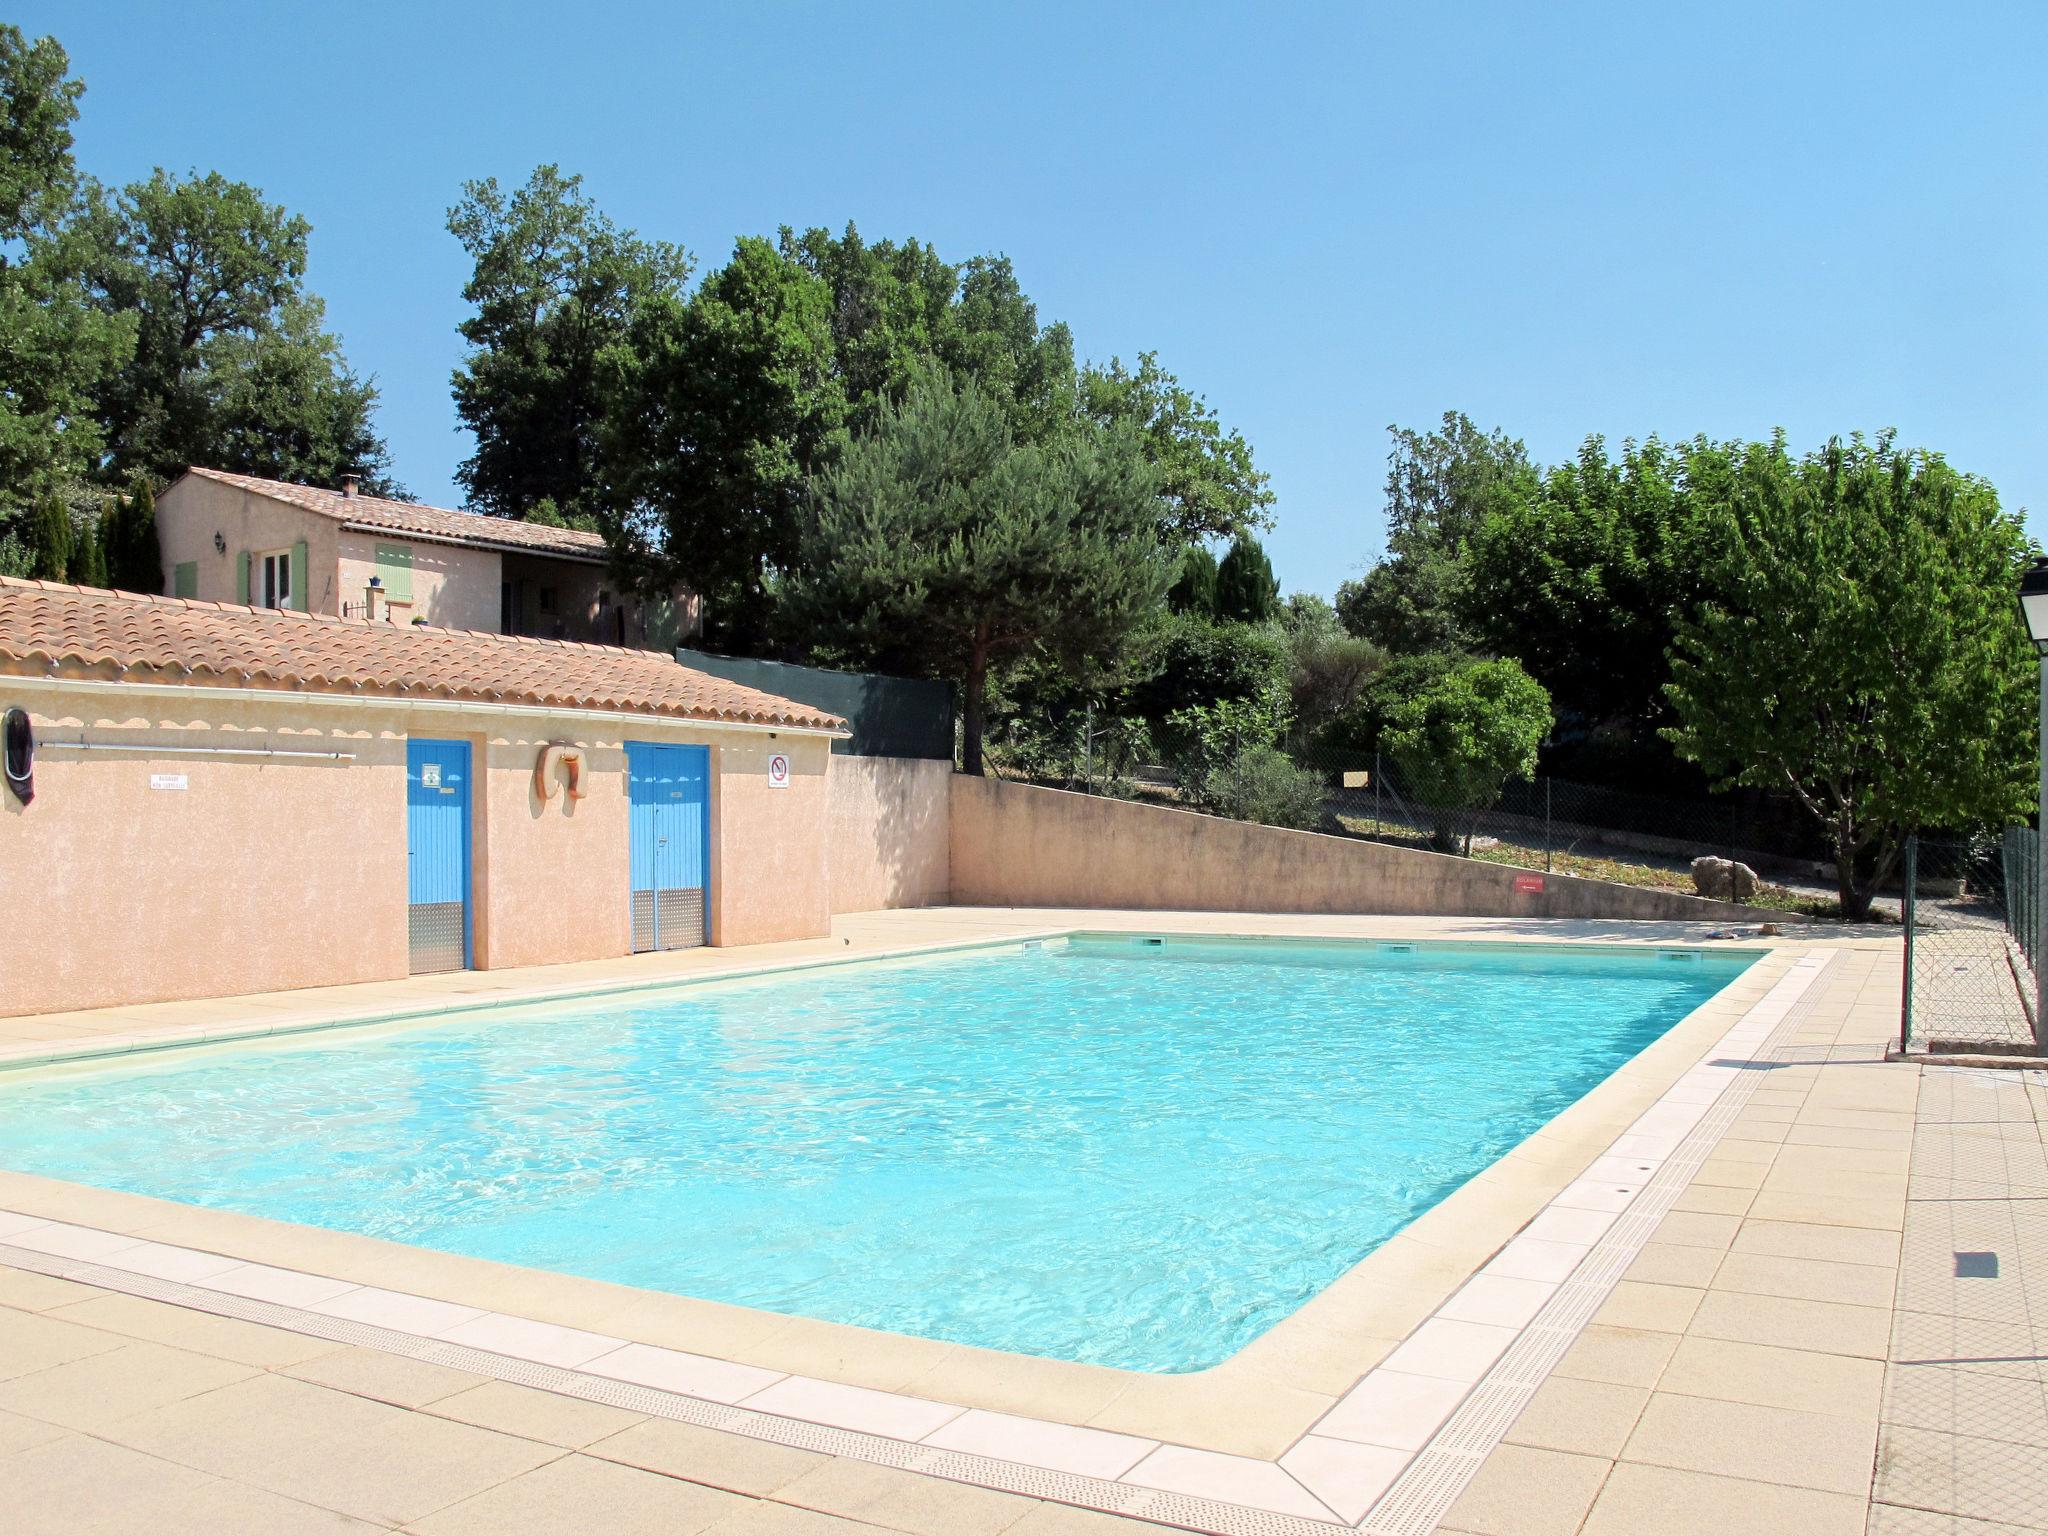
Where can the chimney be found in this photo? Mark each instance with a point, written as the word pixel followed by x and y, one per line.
pixel 348 486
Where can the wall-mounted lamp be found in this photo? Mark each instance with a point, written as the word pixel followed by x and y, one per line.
pixel 220 542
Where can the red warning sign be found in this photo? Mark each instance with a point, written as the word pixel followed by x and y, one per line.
pixel 1530 883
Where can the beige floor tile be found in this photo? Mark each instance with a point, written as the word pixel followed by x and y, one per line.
pixel 1893 1520
pixel 1521 1491
pixel 1962 1475
pixel 843 1486
pixel 732 1462
pixel 1642 1304
pixel 1065 1520
pixel 1746 1440
pixel 1810 1240
pixel 26 1291
pixel 577 1493
pixel 766 1519
pixel 1885 1215
pixel 535 1415
pixel 1587 1418
pixel 1628 1357
pixel 224 1337
pixel 363 1458
pixel 18 1433
pixel 79 1486
pixel 1774 1377
pixel 1664 1501
pixel 388 1378
pixel 1790 1323
pixel 31 1342
pixel 1714 1200
pixel 936 1507
pixel 1673 1264
pixel 100 1390
pixel 1762 1274
pixel 1693 1229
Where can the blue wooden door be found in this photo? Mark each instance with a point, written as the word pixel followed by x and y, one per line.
pixel 437 854
pixel 669 820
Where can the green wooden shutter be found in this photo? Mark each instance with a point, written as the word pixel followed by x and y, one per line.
pixel 394 568
pixel 299 594
pixel 242 577
pixel 185 579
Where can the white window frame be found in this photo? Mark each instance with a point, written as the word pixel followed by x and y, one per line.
pixel 265 593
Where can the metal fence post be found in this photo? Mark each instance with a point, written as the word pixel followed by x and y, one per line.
pixel 1546 823
pixel 1377 791
pixel 1906 988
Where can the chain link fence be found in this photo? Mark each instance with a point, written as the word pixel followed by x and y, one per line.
pixel 1973 932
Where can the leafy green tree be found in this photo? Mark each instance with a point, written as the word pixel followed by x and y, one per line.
pixel 1209 488
pixel 1583 581
pixel 1328 667
pixel 1195 662
pixel 1458 741
pixel 56 347
pixel 232 367
pixel 1860 649
pixel 53 540
pixel 1441 487
pixel 554 284
pixel 722 407
pixel 1246 589
pixel 942 545
pixel 899 309
pixel 1194 589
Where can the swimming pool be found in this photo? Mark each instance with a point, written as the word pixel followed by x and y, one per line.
pixel 1135 1153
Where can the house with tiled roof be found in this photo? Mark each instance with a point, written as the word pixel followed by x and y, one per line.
pixel 208 798
pixel 231 538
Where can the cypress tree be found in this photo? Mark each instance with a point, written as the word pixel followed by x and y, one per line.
pixel 1246 588
pixel 135 561
pixel 1194 591
pixel 89 557
pixel 52 535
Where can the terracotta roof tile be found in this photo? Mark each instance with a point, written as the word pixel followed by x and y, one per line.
pixel 47 628
pixel 413 517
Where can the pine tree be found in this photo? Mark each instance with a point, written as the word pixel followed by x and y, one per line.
pixel 1246 588
pixel 942 546
pixel 52 549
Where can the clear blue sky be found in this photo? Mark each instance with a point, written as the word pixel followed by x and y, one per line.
pixel 1560 219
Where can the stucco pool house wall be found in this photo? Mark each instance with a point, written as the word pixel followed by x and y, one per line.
pixel 224 828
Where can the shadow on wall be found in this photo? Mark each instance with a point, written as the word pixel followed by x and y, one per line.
pixel 890 824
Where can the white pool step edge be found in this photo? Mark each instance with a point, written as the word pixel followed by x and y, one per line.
pixel 1390 1457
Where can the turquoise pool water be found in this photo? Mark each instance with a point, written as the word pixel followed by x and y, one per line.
pixel 1129 1154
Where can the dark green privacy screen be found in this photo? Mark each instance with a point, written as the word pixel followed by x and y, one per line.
pixel 889 716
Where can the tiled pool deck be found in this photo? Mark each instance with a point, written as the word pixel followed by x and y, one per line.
pixel 1670 1310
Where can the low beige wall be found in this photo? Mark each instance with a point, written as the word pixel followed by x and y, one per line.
pixel 890 832
pixel 1020 846
pixel 148 876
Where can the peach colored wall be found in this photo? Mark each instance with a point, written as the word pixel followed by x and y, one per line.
pixel 1019 845
pixel 890 832
pixel 265 875
pixel 451 585
pixel 770 844
pixel 192 510
pixel 256 875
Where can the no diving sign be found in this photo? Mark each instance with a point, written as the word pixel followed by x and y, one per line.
pixel 778 770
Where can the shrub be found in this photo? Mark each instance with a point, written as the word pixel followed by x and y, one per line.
pixel 1459 741
pixel 1227 765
